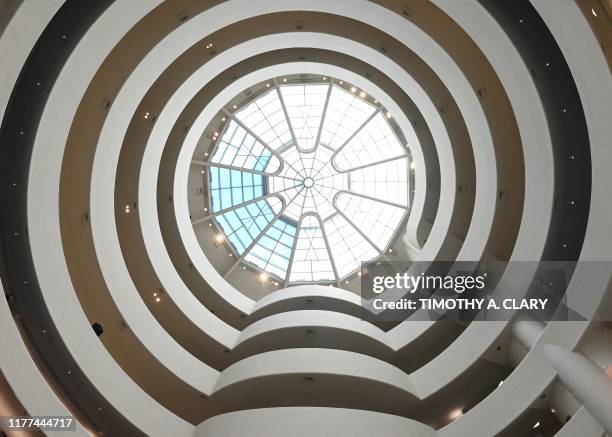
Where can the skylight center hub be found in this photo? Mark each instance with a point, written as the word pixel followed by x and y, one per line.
pixel 308 182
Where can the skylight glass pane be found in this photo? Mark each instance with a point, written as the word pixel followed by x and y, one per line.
pixel 387 181
pixel 348 247
pixel 273 250
pixel 243 225
pixel 295 204
pixel 305 104
pixel 265 117
pixel 233 187
pixel 374 143
pixel 311 261
pixel 375 219
pixel 345 114
pixel 238 148
pixel 348 210
pixel 294 167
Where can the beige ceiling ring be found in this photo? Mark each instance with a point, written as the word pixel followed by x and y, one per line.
pixel 533 365
pixel 182 264
pixel 108 378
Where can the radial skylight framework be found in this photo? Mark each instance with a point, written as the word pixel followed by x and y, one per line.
pixel 308 181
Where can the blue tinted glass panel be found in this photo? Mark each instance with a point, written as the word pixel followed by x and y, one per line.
pixel 273 250
pixel 243 225
pixel 238 148
pixel 229 188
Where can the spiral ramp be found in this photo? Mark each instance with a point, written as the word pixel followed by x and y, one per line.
pixel 109 109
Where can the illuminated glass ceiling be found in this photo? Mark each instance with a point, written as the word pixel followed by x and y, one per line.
pixel 308 181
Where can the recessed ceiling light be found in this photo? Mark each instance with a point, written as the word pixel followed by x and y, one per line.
pixel 594 12
pixel 353 89
pixel 455 414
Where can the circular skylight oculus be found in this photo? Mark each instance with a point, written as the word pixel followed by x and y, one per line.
pixel 309 180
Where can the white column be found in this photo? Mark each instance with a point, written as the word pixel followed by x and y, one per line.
pixel 526 330
pixel 586 380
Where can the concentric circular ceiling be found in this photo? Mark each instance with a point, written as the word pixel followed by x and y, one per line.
pixel 190 188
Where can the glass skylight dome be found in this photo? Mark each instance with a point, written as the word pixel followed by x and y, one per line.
pixel 309 180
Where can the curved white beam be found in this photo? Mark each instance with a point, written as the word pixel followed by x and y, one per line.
pixel 29 385
pixel 44 231
pixel 586 380
pixel 309 421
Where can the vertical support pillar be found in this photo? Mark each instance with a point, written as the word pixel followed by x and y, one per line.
pixel 586 380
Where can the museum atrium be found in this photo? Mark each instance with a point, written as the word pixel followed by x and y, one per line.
pixel 190 190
